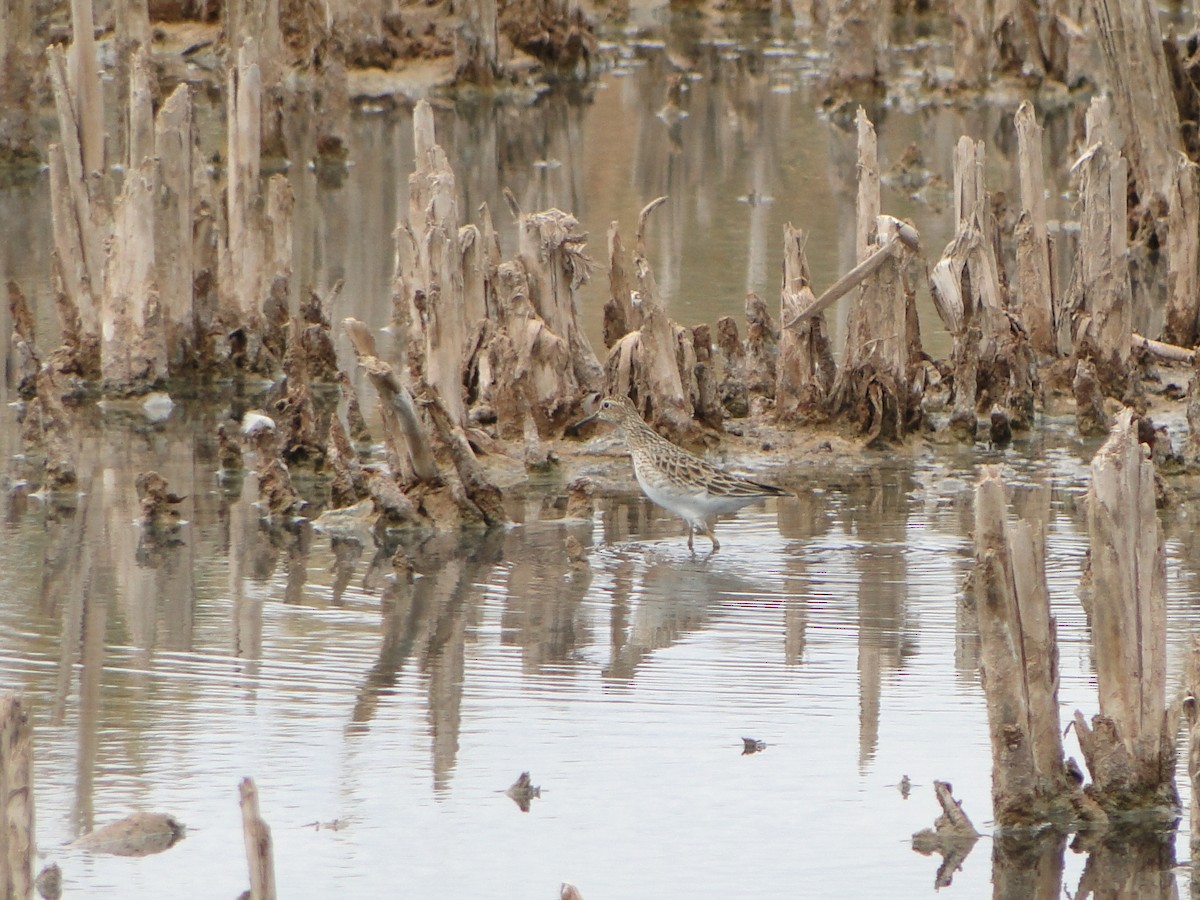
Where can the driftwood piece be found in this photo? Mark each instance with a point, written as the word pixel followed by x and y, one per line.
pixel 952 836
pixel 17 836
pixel 260 856
pixel 805 368
pixel 1101 302
pixel 1183 254
pixel 1035 288
pixel 1129 746
pixel 1020 668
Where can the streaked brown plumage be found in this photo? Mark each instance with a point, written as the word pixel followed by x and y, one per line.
pixel 693 489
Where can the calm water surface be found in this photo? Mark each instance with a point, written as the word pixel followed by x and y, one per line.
pixel 831 626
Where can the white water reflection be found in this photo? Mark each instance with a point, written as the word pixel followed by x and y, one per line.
pixel 831 627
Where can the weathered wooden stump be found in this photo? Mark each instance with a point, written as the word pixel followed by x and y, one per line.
pixel 1030 780
pixel 1129 745
pixel 805 369
pixel 882 333
pixel 260 856
pixel 17 848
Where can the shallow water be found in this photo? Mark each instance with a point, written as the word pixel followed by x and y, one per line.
pixel 382 725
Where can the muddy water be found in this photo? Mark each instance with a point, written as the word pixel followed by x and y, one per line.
pixel 383 724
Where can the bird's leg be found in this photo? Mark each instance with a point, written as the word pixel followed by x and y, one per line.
pixel 691 536
pixel 712 536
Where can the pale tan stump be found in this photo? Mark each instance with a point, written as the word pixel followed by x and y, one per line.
pixel 1129 746
pixel 1036 294
pixel 1101 299
pixel 241 278
pixel 882 332
pixel 805 368
pixel 17 849
pixel 655 365
pixel 173 227
pixel 965 285
pixel 79 205
pixel 519 367
pixel 429 266
pixel 1136 70
pixel 259 854
pixel 87 107
pixel 1183 254
pixel 1019 663
pixel 551 247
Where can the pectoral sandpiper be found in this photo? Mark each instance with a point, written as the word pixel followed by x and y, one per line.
pixel 685 484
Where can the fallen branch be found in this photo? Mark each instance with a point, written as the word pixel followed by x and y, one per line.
pixel 903 232
pixel 1169 352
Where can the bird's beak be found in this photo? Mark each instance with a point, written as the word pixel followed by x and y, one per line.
pixel 591 401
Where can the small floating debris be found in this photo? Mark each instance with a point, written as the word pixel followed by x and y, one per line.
pixel 905 787
pixel 49 882
pixel 331 825
pixel 138 834
pixel 523 791
pixel 157 406
pixel 752 745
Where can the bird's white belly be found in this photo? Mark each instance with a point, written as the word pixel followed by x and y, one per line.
pixel 695 506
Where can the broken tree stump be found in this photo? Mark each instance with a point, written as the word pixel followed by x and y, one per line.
pixel 805 369
pixel 882 333
pixel 17 847
pixel 655 366
pixel 1183 255
pixel 1019 651
pixel 1129 746
pixel 1036 294
pixel 260 856
pixel 1101 300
